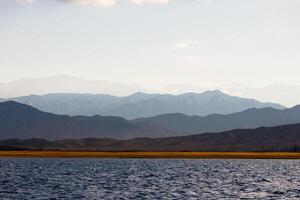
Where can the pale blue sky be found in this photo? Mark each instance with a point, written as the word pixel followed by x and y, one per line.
pixel 153 42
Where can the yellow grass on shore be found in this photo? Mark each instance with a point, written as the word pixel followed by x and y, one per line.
pixel 194 155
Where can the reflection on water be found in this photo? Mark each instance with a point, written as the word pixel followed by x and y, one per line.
pixel 148 179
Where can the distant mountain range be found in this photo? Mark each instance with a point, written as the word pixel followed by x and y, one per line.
pixel 23 122
pixel 251 118
pixel 261 139
pixel 141 104
pixel 287 95
pixel 64 84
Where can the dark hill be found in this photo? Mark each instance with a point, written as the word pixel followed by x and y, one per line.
pixel 261 139
pixel 251 118
pixel 23 121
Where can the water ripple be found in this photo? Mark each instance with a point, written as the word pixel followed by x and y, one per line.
pixel 149 179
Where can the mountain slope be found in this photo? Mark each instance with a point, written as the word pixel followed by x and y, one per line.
pixel 261 139
pixel 251 118
pixel 288 95
pixel 142 104
pixel 22 121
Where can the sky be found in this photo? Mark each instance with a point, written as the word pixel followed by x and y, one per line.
pixel 152 42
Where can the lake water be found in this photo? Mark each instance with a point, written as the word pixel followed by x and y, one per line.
pixel 149 179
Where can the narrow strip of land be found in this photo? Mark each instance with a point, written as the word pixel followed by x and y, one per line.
pixel 194 155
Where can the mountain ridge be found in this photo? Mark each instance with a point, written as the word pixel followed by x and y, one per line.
pixel 141 104
pixel 261 139
pixel 23 121
pixel 251 118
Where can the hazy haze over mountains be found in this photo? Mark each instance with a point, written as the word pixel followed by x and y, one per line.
pixel 151 68
pixel 64 84
pixel 141 104
pixel 287 95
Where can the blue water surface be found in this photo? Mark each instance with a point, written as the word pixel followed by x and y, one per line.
pixel 149 179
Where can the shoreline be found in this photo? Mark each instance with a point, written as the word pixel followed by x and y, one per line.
pixel 164 155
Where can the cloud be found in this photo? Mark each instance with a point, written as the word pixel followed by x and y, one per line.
pixel 24 2
pixel 180 45
pixel 114 2
pixel 105 3
pixel 149 1
pixel 185 44
pixel 189 60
